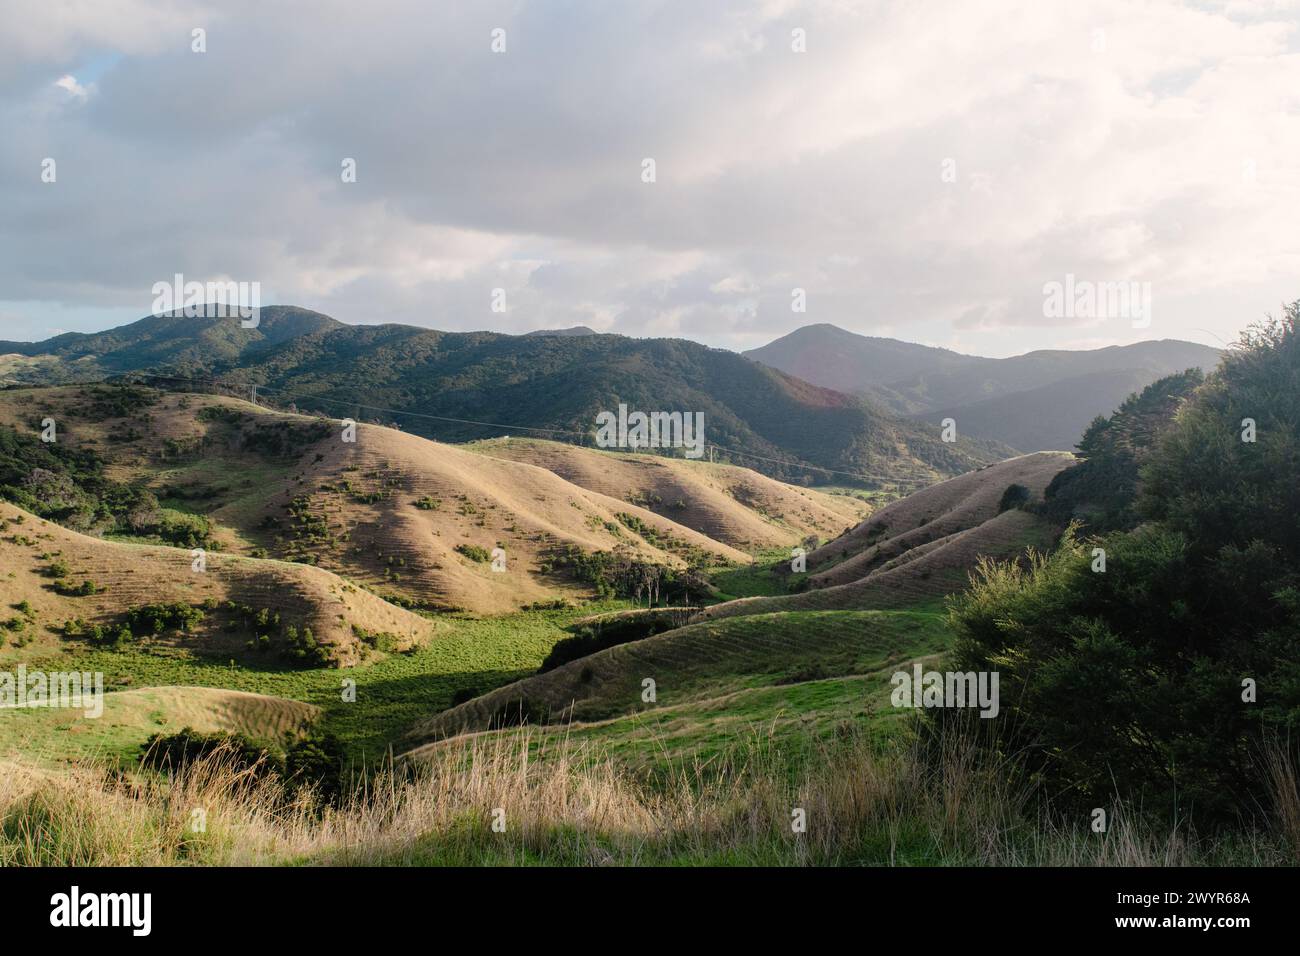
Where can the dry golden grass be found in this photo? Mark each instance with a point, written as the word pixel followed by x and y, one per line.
pixel 568 805
pixel 928 572
pixel 930 514
pixel 922 546
pixel 486 502
pixel 132 575
pixel 364 495
pixel 730 504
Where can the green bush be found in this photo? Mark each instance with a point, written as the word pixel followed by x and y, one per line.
pixel 474 552
pixel 1101 491
pixel 158 618
pixel 1133 679
pixel 618 630
pixel 1013 497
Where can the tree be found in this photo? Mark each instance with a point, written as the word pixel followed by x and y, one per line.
pixel 1161 675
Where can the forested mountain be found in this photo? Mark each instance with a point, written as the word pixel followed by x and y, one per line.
pixel 545 385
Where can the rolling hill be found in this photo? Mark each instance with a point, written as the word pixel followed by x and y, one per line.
pixel 1037 401
pixel 733 505
pixel 54 576
pixel 713 679
pixel 922 546
pixel 409 518
pixel 183 344
pixel 874 602
pixel 131 717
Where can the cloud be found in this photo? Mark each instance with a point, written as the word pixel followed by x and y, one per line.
pixel 69 83
pixel 1163 154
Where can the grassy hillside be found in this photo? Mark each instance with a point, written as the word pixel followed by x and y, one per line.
pixel 130 717
pixel 730 504
pixel 398 514
pixel 713 676
pixel 921 547
pixel 466 657
pixel 63 587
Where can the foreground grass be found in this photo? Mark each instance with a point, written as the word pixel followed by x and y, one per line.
pixel 864 803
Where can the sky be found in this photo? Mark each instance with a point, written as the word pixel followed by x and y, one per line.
pixel 920 169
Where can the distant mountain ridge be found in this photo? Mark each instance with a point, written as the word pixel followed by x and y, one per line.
pixel 569 332
pixel 1037 401
pixel 545 384
pixel 172 339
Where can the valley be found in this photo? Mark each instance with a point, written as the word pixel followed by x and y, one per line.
pixel 354 605
pixel 328 562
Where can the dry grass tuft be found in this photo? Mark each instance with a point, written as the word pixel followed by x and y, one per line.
pixel 558 802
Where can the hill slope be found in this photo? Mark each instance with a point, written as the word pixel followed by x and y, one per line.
pixel 181 343
pixel 875 601
pixel 46 566
pixel 402 515
pixel 131 717
pixel 714 661
pixel 734 505
pixel 1050 417
pixel 923 545
pixel 836 358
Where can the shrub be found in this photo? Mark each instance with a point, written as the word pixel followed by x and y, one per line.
pixel 84 589
pixel 157 618
pixel 1132 679
pixel 618 630
pixel 303 648
pixel 1013 497
pixel 464 694
pixel 474 552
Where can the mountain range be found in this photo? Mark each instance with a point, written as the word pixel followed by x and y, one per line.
pixel 461 386
pixel 1038 401
pixel 820 405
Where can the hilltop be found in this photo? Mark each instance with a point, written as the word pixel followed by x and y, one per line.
pixel 730 504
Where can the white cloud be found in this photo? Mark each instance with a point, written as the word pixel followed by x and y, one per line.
pixel 775 169
pixel 69 84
